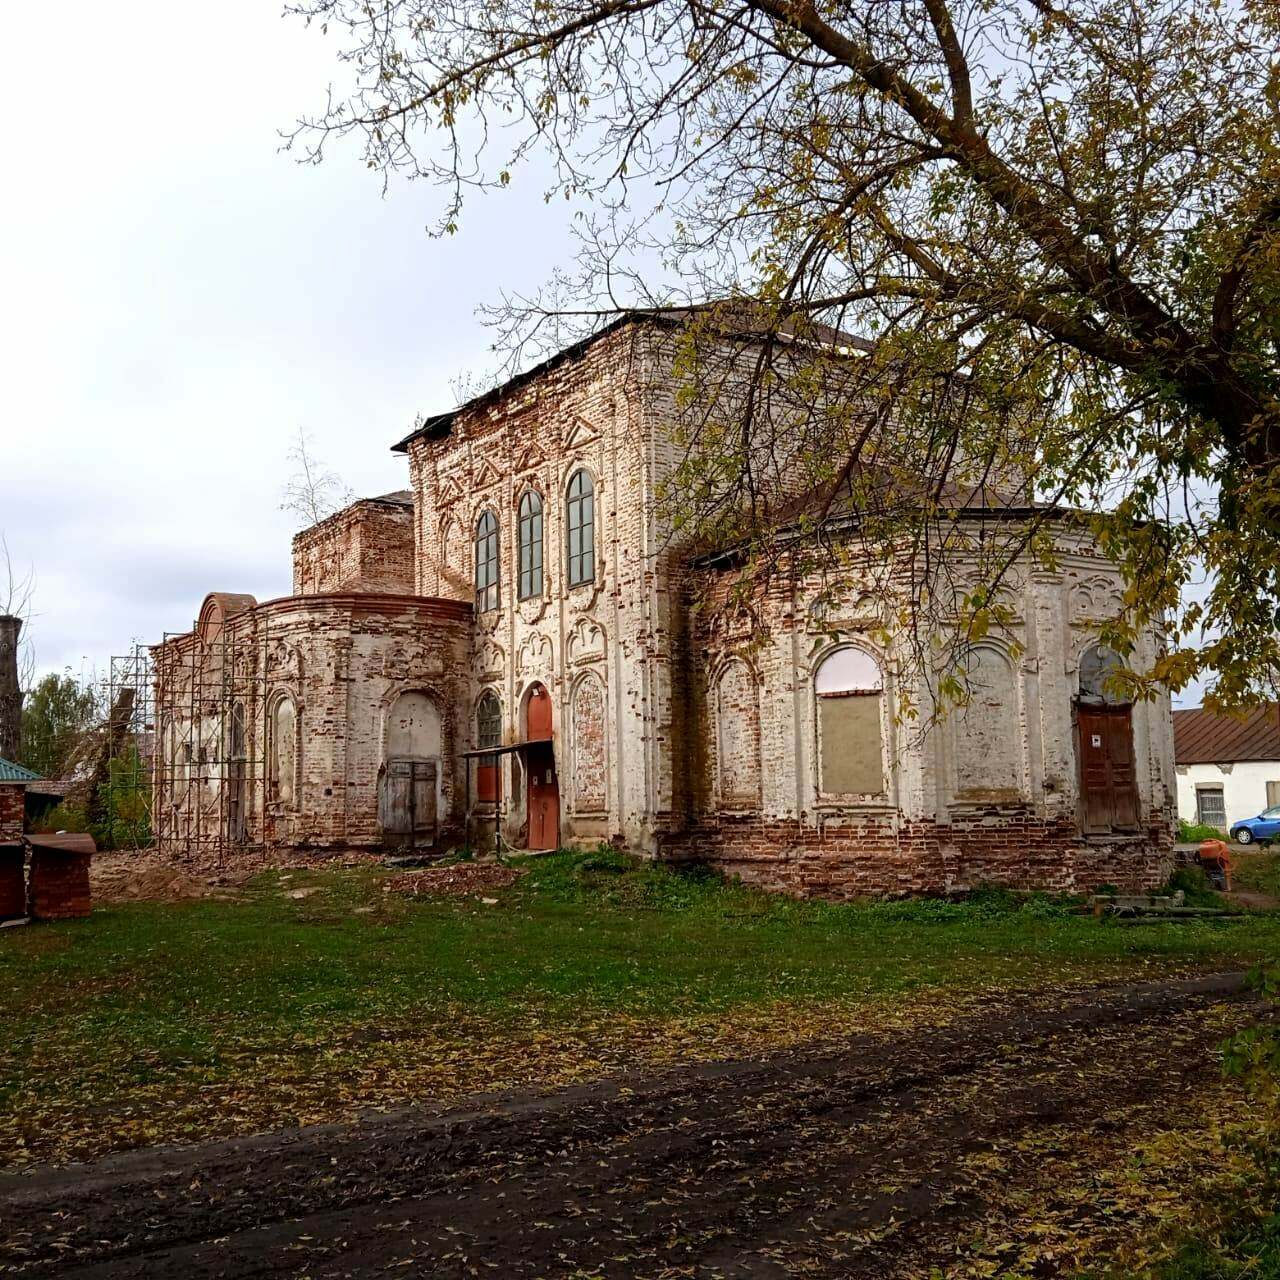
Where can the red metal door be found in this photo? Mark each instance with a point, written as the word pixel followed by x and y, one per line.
pixel 544 800
pixel 1108 783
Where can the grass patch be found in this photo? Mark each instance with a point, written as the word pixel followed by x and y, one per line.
pixel 159 1021
pixel 1256 872
pixel 1194 832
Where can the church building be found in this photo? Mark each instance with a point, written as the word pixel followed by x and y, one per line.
pixel 513 652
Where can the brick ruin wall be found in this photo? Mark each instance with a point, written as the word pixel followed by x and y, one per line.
pixel 987 796
pixel 366 547
pixel 12 807
pixel 340 662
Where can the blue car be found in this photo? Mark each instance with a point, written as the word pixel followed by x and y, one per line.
pixel 1266 826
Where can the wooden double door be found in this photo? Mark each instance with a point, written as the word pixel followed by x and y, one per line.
pixel 1108 778
pixel 408 803
pixel 543 796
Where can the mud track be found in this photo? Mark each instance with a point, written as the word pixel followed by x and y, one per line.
pixel 841 1161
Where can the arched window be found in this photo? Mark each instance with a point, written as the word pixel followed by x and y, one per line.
pixel 487 562
pixel 987 738
pixel 282 752
pixel 581 521
pixel 530 546
pixel 1098 669
pixel 848 687
pixel 488 734
pixel 738 736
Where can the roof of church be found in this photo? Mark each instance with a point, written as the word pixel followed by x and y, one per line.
pixel 439 425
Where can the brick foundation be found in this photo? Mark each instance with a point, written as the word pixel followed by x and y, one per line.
pixel 880 855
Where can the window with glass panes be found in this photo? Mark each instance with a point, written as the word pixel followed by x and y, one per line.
pixel 530 546
pixel 487 562
pixel 580 519
pixel 488 734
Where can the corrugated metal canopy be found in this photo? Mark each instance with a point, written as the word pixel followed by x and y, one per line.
pixel 10 772
pixel 1206 737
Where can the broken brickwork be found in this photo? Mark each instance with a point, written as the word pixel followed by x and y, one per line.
pixel 12 807
pixel 366 547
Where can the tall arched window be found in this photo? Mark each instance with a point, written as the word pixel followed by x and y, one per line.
pixel 581 521
pixel 488 734
pixel 530 546
pixel 986 734
pixel 283 752
pixel 849 688
pixel 487 562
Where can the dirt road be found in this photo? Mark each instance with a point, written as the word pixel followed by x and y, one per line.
pixel 847 1161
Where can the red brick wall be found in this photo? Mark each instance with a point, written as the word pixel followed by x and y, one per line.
pixel 366 547
pixel 59 886
pixel 12 804
pixel 884 855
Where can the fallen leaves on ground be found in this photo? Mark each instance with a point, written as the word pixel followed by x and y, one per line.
pixel 455 880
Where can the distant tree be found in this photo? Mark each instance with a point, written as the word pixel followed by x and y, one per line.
pixel 55 719
pixel 1059 219
pixel 313 492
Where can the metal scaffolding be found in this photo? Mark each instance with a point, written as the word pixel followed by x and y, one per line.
pixel 123 793
pixel 210 768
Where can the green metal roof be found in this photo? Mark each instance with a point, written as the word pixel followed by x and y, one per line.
pixel 10 772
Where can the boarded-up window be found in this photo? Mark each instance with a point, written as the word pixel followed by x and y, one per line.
pixel 413 727
pixel 987 740
pixel 738 736
pixel 590 747
pixel 1273 794
pixel 849 689
pixel 284 752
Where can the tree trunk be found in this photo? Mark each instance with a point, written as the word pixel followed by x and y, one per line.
pixel 119 720
pixel 10 694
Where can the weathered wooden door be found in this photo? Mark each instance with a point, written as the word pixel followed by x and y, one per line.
pixel 1108 780
pixel 409 803
pixel 544 799
pixel 237 808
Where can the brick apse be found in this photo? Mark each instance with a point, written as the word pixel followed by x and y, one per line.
pixel 522 600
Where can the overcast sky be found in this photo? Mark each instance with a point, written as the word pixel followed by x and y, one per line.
pixel 180 297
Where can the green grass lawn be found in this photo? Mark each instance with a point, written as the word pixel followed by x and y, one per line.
pixel 157 1021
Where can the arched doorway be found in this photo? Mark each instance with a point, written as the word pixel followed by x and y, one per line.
pixel 541 781
pixel 409 784
pixel 1104 734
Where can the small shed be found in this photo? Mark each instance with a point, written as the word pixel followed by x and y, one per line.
pixel 59 885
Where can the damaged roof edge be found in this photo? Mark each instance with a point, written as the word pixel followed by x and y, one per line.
pixel 438 425
pixel 793 533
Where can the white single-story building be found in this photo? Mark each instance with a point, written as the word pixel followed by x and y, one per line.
pixel 1228 767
